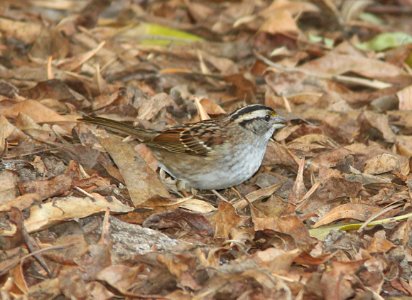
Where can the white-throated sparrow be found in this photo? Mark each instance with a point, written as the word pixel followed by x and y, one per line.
pixel 212 154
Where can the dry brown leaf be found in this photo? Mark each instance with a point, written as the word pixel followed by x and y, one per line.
pixel 180 219
pixel 68 208
pixel 50 43
pixel 211 107
pixel 181 266
pixel 335 63
pixel 18 279
pixel 72 284
pixel 201 109
pixel 336 281
pixel 54 89
pixel 386 162
pixel 404 145
pixel 20 202
pixel 329 159
pixel 197 206
pixel 256 195
pixel 24 31
pixel 276 260
pixel 401 118
pixel 287 224
pixel 71 246
pixel 344 125
pixel 72 63
pixel 319 139
pixel 299 189
pixel 7 132
pixel 198 11
pixel 47 188
pixel 245 88
pixel 8 186
pixel 379 122
pixel 35 110
pixel 97 290
pixel 379 243
pixel 280 21
pixel 278 154
pixel 306 259
pixel 54 186
pixel 334 185
pixel 285 132
pixel 225 220
pixel 360 212
pixel 142 183
pixel 405 98
pixel 224 65
pixel 45 288
pixel 120 277
pixel 150 108
pixel 294 7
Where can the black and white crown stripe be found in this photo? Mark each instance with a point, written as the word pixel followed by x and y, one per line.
pixel 251 111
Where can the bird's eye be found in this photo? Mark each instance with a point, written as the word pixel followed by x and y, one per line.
pixel 267 118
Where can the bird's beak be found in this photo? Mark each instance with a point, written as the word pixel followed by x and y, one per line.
pixel 279 121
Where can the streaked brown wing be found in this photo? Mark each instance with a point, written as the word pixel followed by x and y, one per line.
pixel 196 139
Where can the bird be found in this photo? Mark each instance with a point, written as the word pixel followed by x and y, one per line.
pixel 212 154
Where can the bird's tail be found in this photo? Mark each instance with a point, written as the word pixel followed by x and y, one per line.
pixel 120 127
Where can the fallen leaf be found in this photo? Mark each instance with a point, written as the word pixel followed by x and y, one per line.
pixel 120 277
pixel 142 183
pixel 35 110
pixel 336 283
pixel 380 244
pixel 299 189
pixel 74 62
pixel 21 202
pixel 68 208
pixel 404 145
pixel 20 30
pixel 256 195
pixel 276 260
pixel 335 63
pixel 55 186
pixel 386 40
pixel 287 224
pixel 182 220
pixel 379 122
pixel 225 220
pixel 359 212
pixel 281 21
pixel 45 288
pixel 8 186
pixel 405 98
pixel 386 162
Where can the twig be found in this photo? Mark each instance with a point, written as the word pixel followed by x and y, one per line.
pixel 373 217
pixel 219 196
pixel 85 193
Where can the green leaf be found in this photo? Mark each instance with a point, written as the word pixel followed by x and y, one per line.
pixel 158 35
pixel 320 39
pixel 321 232
pixel 408 61
pixel 371 18
pixel 386 41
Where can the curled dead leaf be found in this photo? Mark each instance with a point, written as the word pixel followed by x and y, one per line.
pixel 387 162
pixel 225 219
pixel 359 212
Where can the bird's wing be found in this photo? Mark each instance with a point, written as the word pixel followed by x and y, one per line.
pixel 196 139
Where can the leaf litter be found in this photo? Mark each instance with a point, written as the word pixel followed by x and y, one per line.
pixel 86 214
